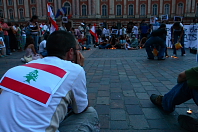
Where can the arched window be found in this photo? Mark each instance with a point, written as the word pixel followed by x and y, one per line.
pixel 21 13
pixel 1 13
pixel 33 1
pixel 50 0
pixel 11 13
pixel 167 9
pixel 155 9
pixel 1 3
pixel 33 11
pixel 130 10
pixel 68 8
pixel 84 10
pixel 10 2
pixel 143 9
pixel 21 2
pixel 104 10
pixel 119 10
pixel 180 8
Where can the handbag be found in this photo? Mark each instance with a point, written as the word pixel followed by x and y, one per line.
pixel 27 58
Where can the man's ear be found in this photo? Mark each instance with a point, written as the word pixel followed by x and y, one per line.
pixel 70 54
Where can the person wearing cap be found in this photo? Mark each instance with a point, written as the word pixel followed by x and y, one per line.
pixel 81 29
pixel 157 40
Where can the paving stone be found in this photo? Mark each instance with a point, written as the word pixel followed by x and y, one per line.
pixel 103 93
pixel 131 100
pixel 134 110
pixel 119 125
pixel 116 96
pixel 116 90
pixel 138 122
pixel 103 100
pixel 158 124
pixel 146 83
pixel 128 93
pixel 146 104
pixel 117 104
pixel 117 114
pixel 102 109
pixel 151 113
pixel 91 95
pixel 104 121
pixel 142 95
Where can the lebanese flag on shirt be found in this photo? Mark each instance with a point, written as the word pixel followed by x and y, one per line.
pixel 34 81
pixel 93 32
pixel 54 26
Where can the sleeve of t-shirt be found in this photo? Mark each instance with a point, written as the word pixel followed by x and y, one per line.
pixel 79 90
pixel 192 77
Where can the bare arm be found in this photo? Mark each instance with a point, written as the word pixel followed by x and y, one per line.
pixel 181 77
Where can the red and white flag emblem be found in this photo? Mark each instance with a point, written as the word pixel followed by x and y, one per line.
pixel 34 81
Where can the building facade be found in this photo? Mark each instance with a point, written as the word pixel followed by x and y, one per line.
pixel 99 11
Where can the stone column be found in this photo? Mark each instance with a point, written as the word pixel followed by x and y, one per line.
pixel 161 7
pixel 174 8
pixel 73 5
pixel 55 8
pixel 89 7
pixel 38 8
pixel 193 4
pixel 44 7
pixel 15 10
pixel 137 7
pixel 94 7
pixel 149 7
pixel 5 10
pixel 77 8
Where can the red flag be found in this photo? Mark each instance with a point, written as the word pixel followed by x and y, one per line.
pixel 52 19
pixel 93 32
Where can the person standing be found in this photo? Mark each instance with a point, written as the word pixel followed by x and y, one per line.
pixel 34 30
pixel 5 28
pixel 88 36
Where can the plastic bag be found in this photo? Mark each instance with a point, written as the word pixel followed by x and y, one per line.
pixel 178 46
pixel 155 52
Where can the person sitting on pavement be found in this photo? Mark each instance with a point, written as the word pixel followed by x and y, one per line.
pixel 128 47
pixel 185 89
pixel 38 101
pixel 104 43
pixel 157 39
pixel 30 52
pixel 134 42
pixel 42 46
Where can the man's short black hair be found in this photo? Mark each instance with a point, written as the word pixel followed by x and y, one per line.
pixel 59 43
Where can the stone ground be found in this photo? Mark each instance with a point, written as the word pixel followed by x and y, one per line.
pixel 119 84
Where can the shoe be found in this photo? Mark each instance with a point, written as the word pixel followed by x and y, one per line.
pixel 183 55
pixel 23 60
pixel 163 58
pixel 150 58
pixel 188 123
pixel 156 99
pixel 174 55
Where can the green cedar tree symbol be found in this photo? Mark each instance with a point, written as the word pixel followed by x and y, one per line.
pixel 31 76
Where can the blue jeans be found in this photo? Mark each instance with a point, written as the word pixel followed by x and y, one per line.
pixel 7 44
pixel 35 37
pixel 155 42
pixel 182 43
pixel 88 41
pixel 23 41
pixel 104 46
pixel 179 94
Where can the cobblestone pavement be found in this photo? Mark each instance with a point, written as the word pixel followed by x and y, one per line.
pixel 119 84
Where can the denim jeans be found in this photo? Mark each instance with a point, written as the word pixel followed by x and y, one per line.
pixel 7 44
pixel 23 41
pixel 35 37
pixel 182 43
pixel 153 42
pixel 104 46
pixel 88 41
pixel 179 94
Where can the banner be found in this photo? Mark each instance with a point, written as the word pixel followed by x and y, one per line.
pixel 190 36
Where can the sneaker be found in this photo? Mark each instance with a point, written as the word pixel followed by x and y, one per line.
pixel 23 60
pixel 183 55
pixel 188 123
pixel 156 99
pixel 150 58
pixel 174 55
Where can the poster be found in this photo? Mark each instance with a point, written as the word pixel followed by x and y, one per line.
pixel 64 19
pixel 164 17
pixel 152 20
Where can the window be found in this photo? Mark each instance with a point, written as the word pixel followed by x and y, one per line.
pixel 104 10
pixel 33 11
pixel 11 13
pixel 1 13
pixel 130 10
pixel 167 9
pixel 68 8
pixel 180 8
pixel 9 2
pixel 84 10
pixel 155 10
pixel 33 1
pixel 21 13
pixel 50 0
pixel 21 2
pixel 119 10
pixel 1 3
pixel 143 10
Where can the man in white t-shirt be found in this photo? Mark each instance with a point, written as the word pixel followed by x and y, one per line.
pixel 36 96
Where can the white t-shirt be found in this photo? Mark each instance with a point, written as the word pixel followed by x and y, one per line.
pixel 42 46
pixel 19 114
pixel 135 30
